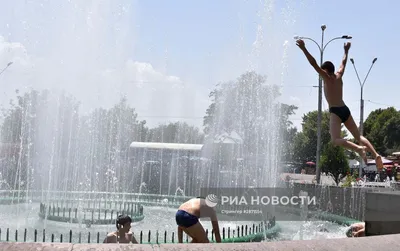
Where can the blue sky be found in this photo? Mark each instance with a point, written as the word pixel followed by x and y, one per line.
pixel 90 48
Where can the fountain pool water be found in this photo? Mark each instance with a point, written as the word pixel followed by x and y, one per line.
pixel 80 142
pixel 156 219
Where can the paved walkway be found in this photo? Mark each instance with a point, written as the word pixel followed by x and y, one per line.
pixel 385 242
pixel 309 178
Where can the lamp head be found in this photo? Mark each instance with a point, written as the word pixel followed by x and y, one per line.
pixel 352 60
pixel 347 37
pixel 373 61
pixel 323 27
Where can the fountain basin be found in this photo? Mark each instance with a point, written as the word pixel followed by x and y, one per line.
pixel 152 225
pixel 390 242
pixel 88 212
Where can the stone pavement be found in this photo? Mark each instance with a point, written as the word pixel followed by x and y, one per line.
pixel 383 242
pixel 309 178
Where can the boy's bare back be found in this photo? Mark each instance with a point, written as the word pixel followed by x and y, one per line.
pixel 199 208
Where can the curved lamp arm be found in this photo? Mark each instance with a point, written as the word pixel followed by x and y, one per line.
pixel 319 47
pixel 342 37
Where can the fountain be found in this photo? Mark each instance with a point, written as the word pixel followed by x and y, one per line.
pixel 89 212
pixel 74 146
pixel 179 190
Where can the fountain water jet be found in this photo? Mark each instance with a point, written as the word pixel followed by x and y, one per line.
pixel 66 149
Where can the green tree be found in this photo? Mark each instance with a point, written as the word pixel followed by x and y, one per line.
pixel 305 142
pixel 289 137
pixel 104 139
pixel 334 161
pixel 179 132
pixel 392 135
pixel 370 121
pixel 60 149
pixel 288 132
pixel 39 125
pixel 382 128
pixel 56 147
pixel 249 107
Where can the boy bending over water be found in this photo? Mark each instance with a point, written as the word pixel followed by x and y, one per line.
pixel 187 219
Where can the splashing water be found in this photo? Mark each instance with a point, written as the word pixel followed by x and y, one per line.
pixel 72 138
pixel 142 186
pixel 180 191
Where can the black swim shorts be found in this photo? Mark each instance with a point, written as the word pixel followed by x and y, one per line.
pixel 185 219
pixel 342 112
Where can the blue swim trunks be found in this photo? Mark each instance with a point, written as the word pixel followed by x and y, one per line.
pixel 185 219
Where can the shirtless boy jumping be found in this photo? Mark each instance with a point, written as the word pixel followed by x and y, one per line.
pixel 340 113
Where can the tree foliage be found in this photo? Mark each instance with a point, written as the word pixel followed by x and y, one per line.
pixel 178 132
pixel 249 107
pixel 334 161
pixel 382 128
pixel 305 142
pixel 56 147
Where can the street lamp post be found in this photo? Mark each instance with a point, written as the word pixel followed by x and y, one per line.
pixel 5 68
pixel 321 50
pixel 362 103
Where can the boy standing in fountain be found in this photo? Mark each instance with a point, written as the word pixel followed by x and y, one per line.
pixel 340 113
pixel 187 219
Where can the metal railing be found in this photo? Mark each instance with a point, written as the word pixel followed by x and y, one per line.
pixel 243 233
